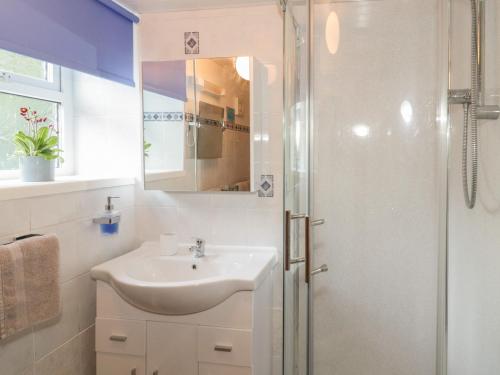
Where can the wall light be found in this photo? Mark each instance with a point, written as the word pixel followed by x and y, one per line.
pixel 243 67
pixel 332 33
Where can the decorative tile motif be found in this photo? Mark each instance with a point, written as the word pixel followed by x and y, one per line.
pixel 192 43
pixel 163 116
pixel 189 117
pixel 266 186
pixel 237 127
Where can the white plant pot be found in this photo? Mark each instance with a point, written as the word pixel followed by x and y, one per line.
pixel 37 169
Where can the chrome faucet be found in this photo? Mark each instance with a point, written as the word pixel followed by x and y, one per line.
pixel 198 250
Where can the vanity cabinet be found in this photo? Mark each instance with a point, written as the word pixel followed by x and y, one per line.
pixel 171 349
pixel 232 338
pixel 116 364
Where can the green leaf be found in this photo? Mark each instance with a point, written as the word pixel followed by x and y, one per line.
pixel 40 144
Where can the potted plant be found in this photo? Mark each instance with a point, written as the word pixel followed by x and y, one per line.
pixel 38 148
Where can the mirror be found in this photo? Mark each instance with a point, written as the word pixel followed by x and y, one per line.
pixel 198 124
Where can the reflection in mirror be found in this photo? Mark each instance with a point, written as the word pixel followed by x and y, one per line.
pixel 197 124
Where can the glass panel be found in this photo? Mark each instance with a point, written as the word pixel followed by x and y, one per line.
pixel 375 136
pixel 296 185
pixel 18 64
pixel 223 160
pixel 11 121
pixel 169 125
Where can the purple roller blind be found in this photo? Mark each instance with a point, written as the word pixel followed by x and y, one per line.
pixel 166 78
pixel 85 35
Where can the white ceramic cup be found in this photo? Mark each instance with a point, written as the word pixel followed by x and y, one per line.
pixel 168 243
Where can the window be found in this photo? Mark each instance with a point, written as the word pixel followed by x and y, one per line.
pixel 27 82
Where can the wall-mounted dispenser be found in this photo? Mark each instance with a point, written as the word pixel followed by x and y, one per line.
pixel 110 220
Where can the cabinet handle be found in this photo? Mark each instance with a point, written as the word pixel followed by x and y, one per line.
pixel 133 372
pixel 118 338
pixel 223 348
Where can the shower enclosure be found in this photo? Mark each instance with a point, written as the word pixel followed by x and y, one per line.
pixel 393 266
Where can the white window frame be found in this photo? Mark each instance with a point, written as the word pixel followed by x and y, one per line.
pixel 57 90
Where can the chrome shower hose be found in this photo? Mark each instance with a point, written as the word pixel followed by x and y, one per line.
pixel 471 109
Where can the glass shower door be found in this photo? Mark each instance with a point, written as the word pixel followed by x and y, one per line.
pixel 296 188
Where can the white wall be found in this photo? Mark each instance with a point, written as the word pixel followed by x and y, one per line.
pixel 105 121
pixel 106 125
pixel 375 309
pixel 223 218
pixel 66 346
pixel 474 236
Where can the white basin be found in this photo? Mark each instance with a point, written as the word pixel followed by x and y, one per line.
pixel 181 284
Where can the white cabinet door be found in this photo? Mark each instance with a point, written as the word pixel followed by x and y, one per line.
pixel 171 349
pixel 225 346
pixel 118 364
pixel 121 336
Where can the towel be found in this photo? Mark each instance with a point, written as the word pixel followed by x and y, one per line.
pixel 29 283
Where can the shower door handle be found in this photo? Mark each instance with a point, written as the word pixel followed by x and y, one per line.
pixel 288 257
pixel 321 269
pixel 317 222
pixel 307 257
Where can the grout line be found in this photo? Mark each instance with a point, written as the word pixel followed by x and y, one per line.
pixel 64 343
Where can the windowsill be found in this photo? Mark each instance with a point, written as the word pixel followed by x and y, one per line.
pixel 16 189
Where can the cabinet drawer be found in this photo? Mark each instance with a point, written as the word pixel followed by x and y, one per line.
pixel 226 346
pixel 211 369
pixel 120 336
pixel 119 364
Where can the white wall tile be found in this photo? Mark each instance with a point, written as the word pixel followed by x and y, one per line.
pixel 16 354
pixel 264 227
pixel 63 361
pixel 15 218
pixel 229 226
pixel 194 222
pixel 87 352
pixel 152 221
pixel 53 334
pixel 86 289
pixel 54 209
pixel 91 246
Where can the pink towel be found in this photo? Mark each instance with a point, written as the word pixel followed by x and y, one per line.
pixel 29 283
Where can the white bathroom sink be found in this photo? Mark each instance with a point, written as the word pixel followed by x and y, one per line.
pixel 181 284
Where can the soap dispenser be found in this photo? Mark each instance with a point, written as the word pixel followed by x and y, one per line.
pixel 109 221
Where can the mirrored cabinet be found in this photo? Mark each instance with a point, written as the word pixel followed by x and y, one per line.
pixel 199 124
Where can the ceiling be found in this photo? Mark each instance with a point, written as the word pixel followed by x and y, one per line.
pixel 151 6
